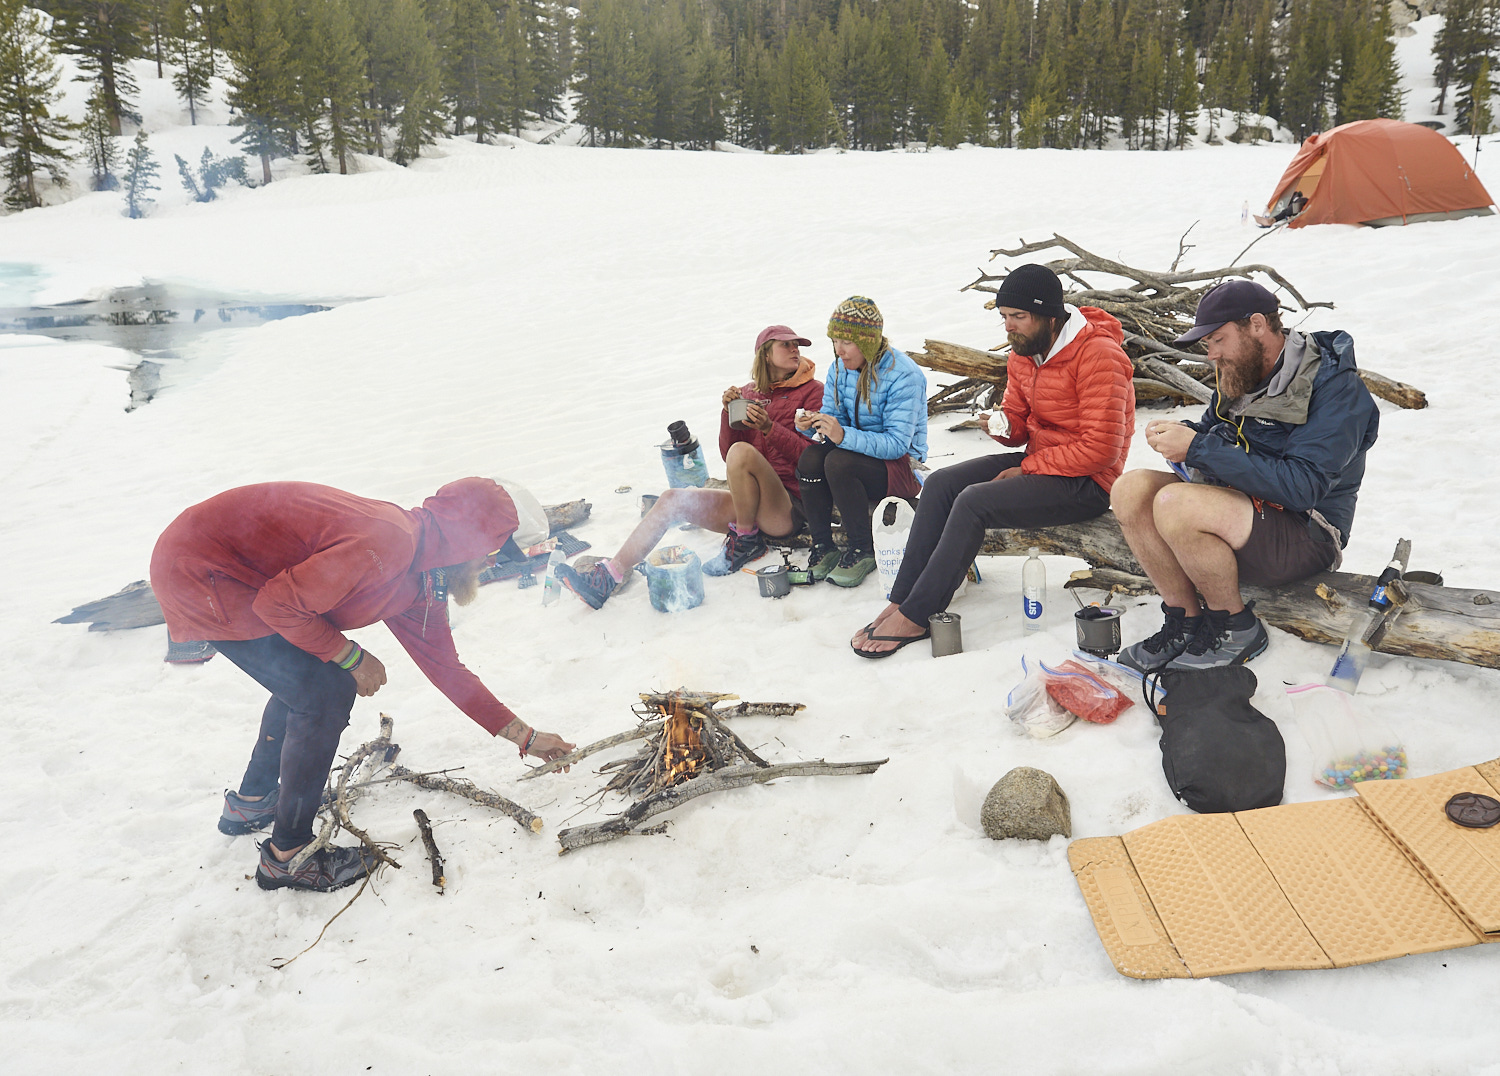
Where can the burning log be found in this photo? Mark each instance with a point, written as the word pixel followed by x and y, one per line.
pixel 688 752
pixel 651 727
pixel 1153 309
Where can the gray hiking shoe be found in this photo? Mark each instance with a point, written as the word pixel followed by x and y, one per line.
pixel 241 816
pixel 1216 644
pixel 326 869
pixel 1156 651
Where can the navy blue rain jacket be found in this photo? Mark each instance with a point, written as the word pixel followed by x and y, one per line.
pixel 1307 444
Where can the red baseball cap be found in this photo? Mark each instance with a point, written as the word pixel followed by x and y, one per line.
pixel 780 332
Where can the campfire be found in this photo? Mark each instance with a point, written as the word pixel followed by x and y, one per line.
pixel 688 752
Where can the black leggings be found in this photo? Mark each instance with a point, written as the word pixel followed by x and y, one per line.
pixel 299 730
pixel 830 476
pixel 956 506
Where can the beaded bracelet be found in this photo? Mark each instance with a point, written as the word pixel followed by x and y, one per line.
pixel 350 663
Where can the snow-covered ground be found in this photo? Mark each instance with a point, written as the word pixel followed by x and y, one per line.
pixel 542 313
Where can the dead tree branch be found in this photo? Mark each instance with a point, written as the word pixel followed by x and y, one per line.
pixel 424 826
pixel 733 777
pixel 459 786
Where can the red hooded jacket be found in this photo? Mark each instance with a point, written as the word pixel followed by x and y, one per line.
pixel 783 446
pixel 1076 412
pixel 308 562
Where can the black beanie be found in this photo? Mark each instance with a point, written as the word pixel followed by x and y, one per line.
pixel 1032 287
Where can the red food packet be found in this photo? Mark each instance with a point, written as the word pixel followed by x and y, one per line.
pixel 1082 693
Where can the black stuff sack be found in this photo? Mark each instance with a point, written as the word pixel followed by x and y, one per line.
pixel 1219 753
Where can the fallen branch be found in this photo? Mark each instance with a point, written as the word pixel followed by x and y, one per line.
pixel 279 963
pixel 733 777
pixel 424 826
pixel 580 753
pixel 343 795
pixel 459 786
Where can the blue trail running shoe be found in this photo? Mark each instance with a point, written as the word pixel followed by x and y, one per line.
pixel 241 816
pixel 593 585
pixel 325 870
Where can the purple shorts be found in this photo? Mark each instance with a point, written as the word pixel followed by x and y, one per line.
pixel 1284 547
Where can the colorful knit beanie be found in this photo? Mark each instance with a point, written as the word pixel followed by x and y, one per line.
pixel 858 320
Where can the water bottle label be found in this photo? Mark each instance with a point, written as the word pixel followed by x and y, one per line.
pixel 1032 608
pixel 1378 597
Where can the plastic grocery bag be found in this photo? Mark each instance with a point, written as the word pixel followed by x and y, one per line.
pixel 1032 708
pixel 1348 746
pixel 890 540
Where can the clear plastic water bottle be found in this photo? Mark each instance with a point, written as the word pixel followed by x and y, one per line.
pixel 1354 654
pixel 1033 590
pixel 551 585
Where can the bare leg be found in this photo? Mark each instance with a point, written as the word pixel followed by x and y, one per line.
pixel 711 509
pixel 760 500
pixel 1184 536
pixel 1204 525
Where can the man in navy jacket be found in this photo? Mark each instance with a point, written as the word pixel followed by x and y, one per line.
pixel 1262 487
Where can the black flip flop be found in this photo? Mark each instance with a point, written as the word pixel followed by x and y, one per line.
pixel 899 640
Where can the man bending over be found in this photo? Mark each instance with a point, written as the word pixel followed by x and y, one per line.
pixel 1263 486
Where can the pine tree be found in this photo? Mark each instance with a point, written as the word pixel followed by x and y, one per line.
pixel 333 82
pixel 261 83
pixel 933 91
pixel 1467 35
pixel 707 65
pixel 1475 114
pixel 140 176
pixel 186 48
pixel 613 74
pixel 1185 97
pixel 472 70
pixel 517 83
pixel 413 79
pixel 803 116
pixel 666 51
pixel 31 137
pixel 1042 108
pixel 1373 87
pixel 104 35
pixel 98 143
pixel 752 111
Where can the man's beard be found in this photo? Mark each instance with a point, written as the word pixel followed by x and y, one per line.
pixel 463 581
pixel 1035 344
pixel 1240 371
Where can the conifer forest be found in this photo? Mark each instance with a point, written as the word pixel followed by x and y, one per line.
pixel 332 78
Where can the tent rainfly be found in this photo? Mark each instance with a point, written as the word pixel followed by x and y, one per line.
pixel 1376 172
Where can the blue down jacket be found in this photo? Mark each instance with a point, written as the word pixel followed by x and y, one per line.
pixel 1307 442
pixel 894 423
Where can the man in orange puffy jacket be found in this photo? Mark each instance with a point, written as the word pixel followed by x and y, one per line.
pixel 1069 400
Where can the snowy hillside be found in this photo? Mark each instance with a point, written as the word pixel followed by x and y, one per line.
pixel 542 313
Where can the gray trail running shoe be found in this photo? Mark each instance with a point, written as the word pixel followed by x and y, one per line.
pixel 241 816
pixel 326 869
pixel 1216 644
pixel 739 550
pixel 1155 651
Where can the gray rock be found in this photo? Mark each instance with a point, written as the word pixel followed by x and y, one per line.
pixel 1026 803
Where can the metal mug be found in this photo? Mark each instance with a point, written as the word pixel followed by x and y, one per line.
pixel 947 634
pixel 1434 579
pixel 1098 629
pixel 775 582
pixel 738 410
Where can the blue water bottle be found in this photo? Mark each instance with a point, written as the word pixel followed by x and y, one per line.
pixel 682 458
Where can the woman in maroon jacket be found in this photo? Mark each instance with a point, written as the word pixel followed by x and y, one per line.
pixel 274 574
pixel 763 499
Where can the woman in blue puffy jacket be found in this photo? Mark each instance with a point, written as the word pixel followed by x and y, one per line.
pixel 871 429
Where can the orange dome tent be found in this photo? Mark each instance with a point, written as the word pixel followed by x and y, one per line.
pixel 1376 172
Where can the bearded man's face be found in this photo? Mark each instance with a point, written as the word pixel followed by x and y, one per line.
pixel 1027 333
pixel 1239 357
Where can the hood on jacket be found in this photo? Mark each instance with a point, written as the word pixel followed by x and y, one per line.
pixel 463 521
pixel 806 371
pixel 1288 396
pixel 1082 321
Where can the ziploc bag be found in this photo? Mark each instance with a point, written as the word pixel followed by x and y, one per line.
pixel 1048 698
pixel 1348 746
pixel 1033 710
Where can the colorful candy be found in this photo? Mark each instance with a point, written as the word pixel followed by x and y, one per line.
pixel 1388 763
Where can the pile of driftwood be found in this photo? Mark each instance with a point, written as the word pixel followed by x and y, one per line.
pixel 688 752
pixel 1154 307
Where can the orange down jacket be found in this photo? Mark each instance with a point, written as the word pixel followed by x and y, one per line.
pixel 1076 412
